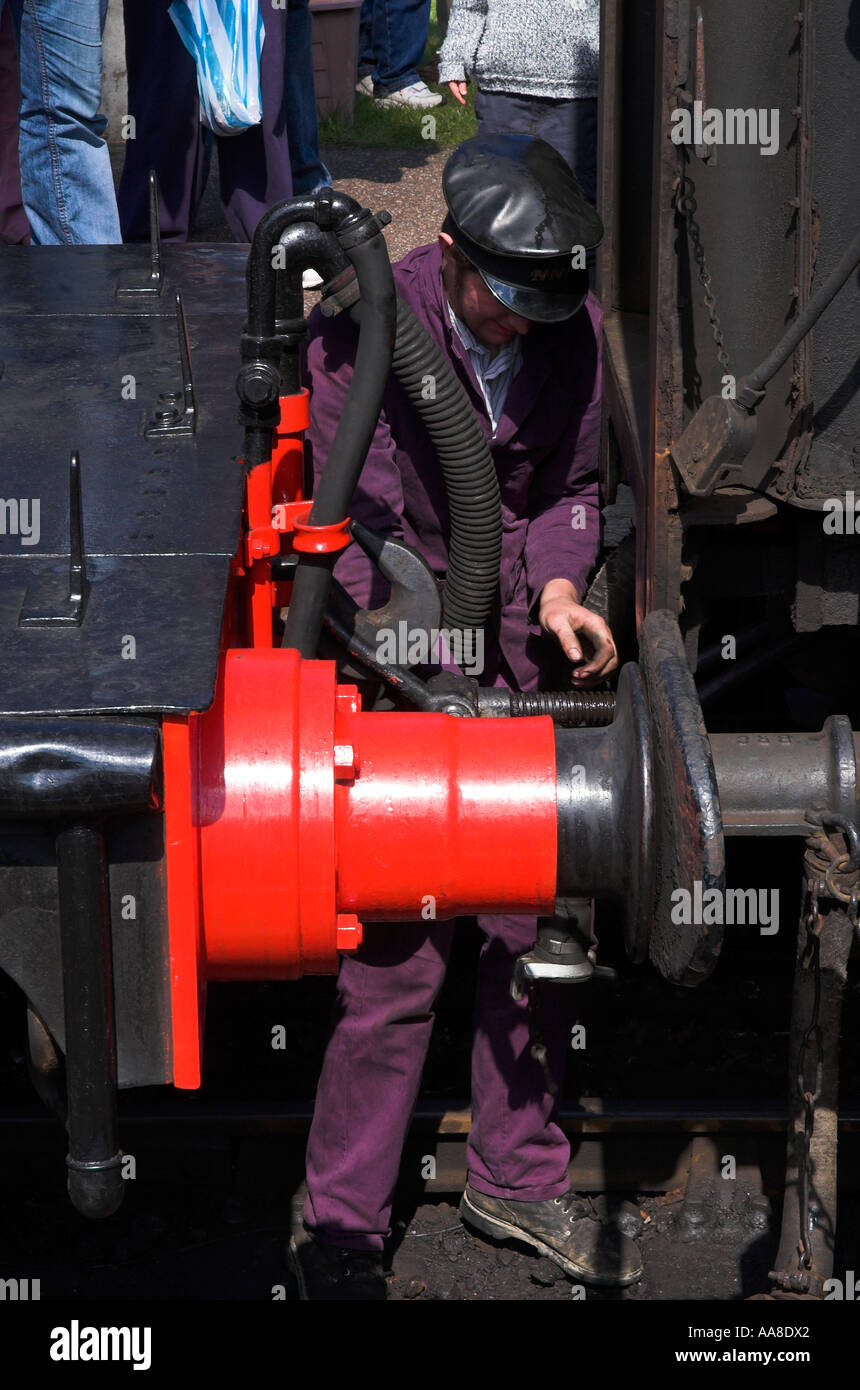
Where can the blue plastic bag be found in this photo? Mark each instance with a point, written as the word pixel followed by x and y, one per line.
pixel 224 37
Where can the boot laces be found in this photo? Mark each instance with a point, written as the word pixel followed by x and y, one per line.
pixel 574 1208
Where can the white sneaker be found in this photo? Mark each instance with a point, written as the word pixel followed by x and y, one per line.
pixel 310 280
pixel 417 94
pixel 365 86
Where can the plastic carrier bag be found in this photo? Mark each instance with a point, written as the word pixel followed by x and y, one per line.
pixel 224 37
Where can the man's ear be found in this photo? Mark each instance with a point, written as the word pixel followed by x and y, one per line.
pixel 445 241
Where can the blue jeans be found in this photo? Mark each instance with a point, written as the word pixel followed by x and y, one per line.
pixel 392 39
pixel 65 166
pixel 308 170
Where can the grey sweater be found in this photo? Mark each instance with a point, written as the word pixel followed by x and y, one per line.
pixel 541 48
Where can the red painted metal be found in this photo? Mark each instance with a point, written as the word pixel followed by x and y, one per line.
pixel 187 980
pixel 273 502
pixel 312 816
pixel 444 816
pixel 288 465
pixel 261 542
pixel 291 816
pixel 321 540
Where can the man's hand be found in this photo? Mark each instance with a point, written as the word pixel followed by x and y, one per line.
pixel 459 89
pixel 581 633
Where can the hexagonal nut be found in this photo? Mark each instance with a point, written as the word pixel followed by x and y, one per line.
pixel 345 760
pixel 348 932
pixel 258 384
pixel 348 699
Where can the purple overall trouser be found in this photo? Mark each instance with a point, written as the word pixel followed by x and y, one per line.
pixel 254 168
pixel 372 1070
pixel 14 227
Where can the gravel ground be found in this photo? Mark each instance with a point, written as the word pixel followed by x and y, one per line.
pixel 406 182
pixel 208 1218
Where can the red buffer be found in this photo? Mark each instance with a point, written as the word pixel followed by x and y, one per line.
pixel 296 817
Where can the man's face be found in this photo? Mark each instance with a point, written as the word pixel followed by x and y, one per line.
pixel 492 324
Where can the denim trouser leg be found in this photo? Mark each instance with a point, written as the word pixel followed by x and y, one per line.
pixel 399 38
pixel 366 59
pixel 300 104
pixel 65 166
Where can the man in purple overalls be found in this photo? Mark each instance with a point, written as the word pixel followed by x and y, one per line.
pixel 503 293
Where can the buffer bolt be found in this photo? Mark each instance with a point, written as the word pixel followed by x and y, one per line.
pixel 348 699
pixel 258 384
pixel 348 932
pixel 345 761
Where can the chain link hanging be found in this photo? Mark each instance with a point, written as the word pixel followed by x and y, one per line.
pixel 685 205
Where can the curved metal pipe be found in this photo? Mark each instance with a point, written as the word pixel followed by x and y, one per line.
pixel 352 440
pixel 268 346
pixel 261 274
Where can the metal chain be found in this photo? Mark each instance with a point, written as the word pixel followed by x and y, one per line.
pixel 812 1039
pixel 685 204
pixel 827 859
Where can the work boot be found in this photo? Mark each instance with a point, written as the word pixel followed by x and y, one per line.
pixel 331 1273
pixel 585 1248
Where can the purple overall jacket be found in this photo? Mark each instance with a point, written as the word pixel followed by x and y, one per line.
pixel 545 452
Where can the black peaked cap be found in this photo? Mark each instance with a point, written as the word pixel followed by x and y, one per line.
pixel 516 211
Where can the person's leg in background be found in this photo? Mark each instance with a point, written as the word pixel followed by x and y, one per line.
pixel 308 170
pixel 570 126
pixel 255 167
pixel 399 37
pixel 163 101
pixel 14 227
pixel 366 55
pixel 65 165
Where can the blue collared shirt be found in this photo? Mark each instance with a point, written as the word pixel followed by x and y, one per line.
pixel 494 374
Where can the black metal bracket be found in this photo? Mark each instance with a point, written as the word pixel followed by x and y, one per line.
pixel 176 414
pixel 59 597
pixel 132 287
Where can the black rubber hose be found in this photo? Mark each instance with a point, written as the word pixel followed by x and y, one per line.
pixel 474 505
pixel 352 439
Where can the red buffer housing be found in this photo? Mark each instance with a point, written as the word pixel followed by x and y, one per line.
pixel 293 816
